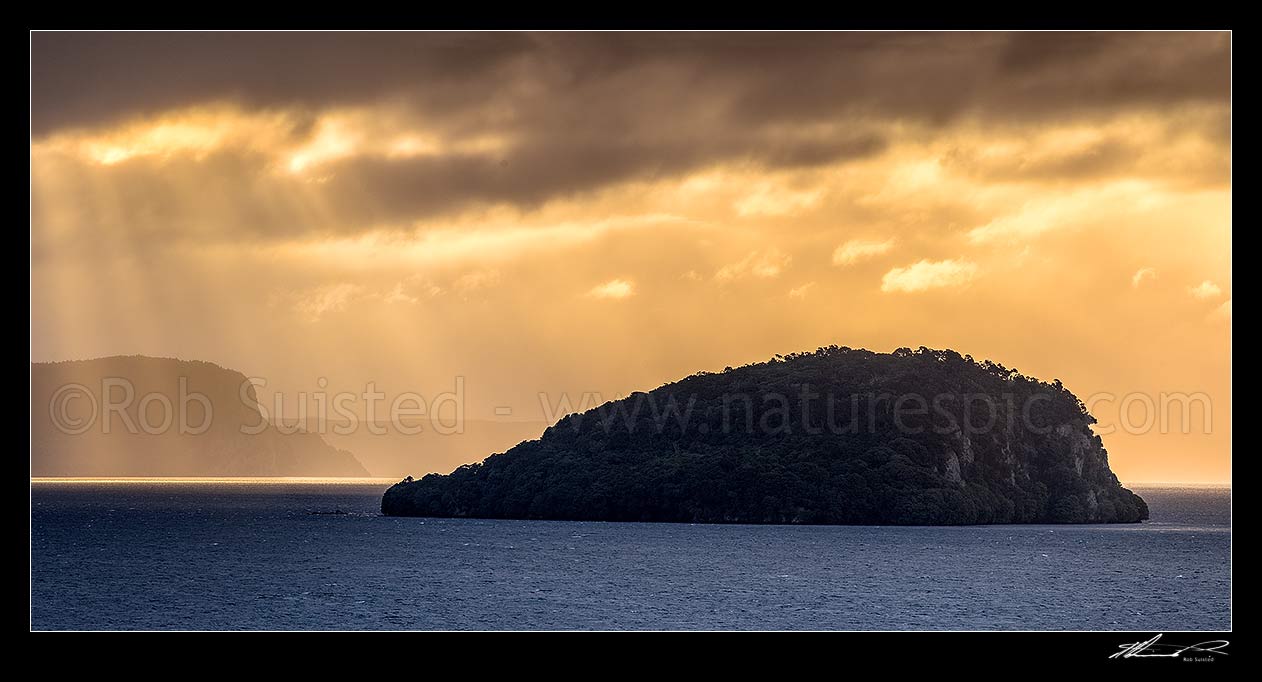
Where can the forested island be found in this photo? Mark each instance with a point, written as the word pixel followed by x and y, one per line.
pixel 834 436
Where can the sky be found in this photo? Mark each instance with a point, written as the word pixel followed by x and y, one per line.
pixel 534 217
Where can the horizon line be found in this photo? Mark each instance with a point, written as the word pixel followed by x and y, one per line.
pixel 379 479
pixel 214 479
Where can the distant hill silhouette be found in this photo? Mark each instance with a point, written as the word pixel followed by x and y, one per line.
pixel 129 444
pixel 913 437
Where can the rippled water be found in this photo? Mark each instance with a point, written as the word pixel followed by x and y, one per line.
pixel 255 556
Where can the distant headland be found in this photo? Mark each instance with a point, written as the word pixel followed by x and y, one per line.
pixel 162 417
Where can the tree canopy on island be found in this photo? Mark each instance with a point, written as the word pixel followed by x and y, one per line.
pixel 837 435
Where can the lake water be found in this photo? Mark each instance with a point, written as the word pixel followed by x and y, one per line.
pixel 209 556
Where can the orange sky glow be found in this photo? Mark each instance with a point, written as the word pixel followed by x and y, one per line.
pixel 579 213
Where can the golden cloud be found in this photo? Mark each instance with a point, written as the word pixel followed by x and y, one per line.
pixel 927 274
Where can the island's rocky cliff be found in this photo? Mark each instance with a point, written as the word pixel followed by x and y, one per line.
pixel 835 436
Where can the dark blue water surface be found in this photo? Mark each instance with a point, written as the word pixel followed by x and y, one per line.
pixel 254 556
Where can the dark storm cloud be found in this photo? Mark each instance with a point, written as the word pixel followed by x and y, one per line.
pixel 228 195
pixel 85 78
pixel 1042 71
pixel 580 111
pixel 542 169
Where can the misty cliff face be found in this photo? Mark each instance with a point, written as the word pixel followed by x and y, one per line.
pixel 835 436
pixel 142 416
